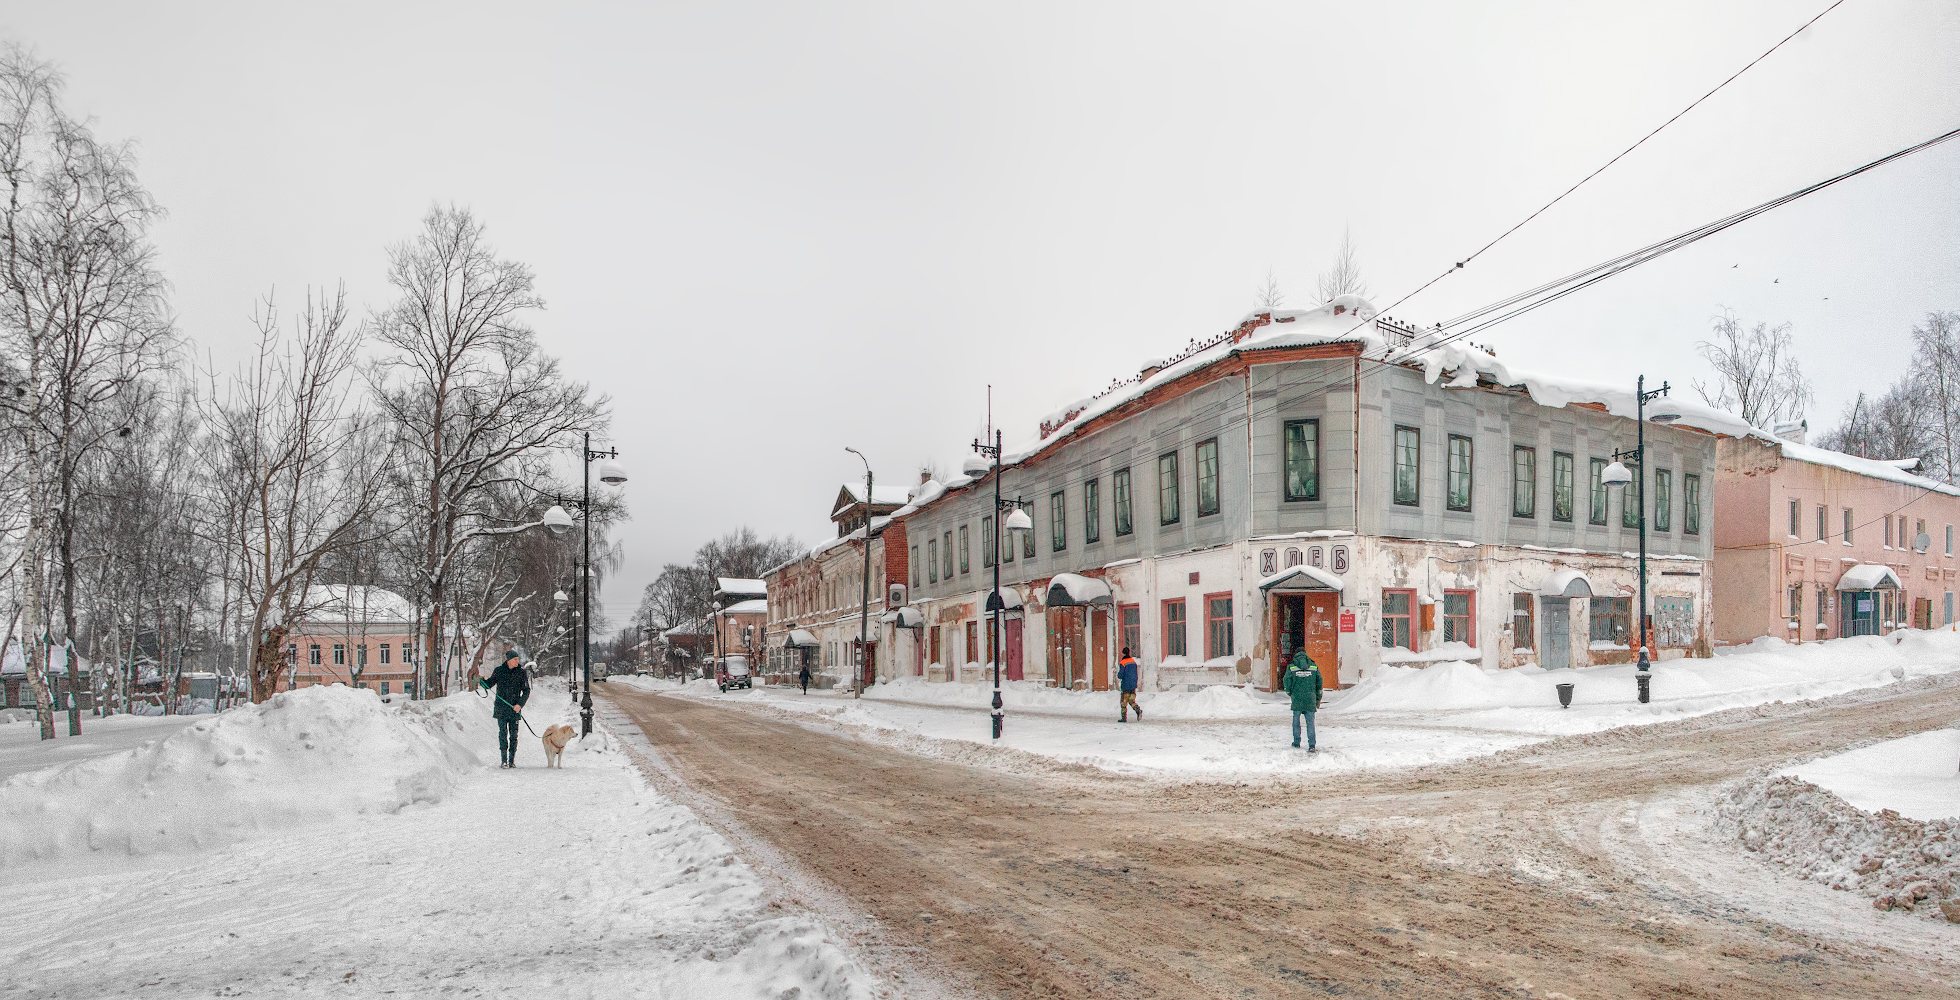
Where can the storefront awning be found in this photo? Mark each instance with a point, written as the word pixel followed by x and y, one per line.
pixel 1068 590
pixel 1869 576
pixel 1565 583
pixel 1301 578
pixel 801 639
pixel 905 617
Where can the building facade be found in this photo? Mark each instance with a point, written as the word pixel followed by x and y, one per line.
pixel 1815 544
pixel 359 636
pixel 817 600
pixel 1308 480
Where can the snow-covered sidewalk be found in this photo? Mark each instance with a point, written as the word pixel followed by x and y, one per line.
pixel 22 749
pixel 1399 716
pixel 333 842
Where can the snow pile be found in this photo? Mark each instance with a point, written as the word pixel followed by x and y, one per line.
pixel 1766 670
pixel 1813 834
pixel 1216 702
pixel 1915 776
pixel 646 683
pixel 303 756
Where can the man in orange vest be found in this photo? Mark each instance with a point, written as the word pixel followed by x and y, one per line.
pixel 1126 677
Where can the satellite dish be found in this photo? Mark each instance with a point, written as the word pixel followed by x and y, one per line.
pixel 1922 543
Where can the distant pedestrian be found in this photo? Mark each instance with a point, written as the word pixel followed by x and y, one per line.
pixel 1126 678
pixel 1303 683
pixel 512 686
pixel 804 676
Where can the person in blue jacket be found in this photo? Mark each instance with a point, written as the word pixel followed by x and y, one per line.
pixel 1126 678
pixel 1303 683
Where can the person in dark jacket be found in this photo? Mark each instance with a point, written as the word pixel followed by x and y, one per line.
pixel 512 684
pixel 1126 678
pixel 1303 683
pixel 804 676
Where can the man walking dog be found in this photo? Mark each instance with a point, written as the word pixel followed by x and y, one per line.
pixel 1303 683
pixel 513 688
pixel 1126 677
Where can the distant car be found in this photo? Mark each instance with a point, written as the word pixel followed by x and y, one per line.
pixel 733 671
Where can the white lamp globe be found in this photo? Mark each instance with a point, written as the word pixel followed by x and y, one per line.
pixel 557 521
pixel 611 472
pixel 1615 475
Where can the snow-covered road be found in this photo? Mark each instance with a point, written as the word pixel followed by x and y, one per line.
pixel 580 882
pixel 22 749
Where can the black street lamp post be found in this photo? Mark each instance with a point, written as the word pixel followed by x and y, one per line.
pixel 1016 520
pixel 1617 474
pixel 864 616
pixel 558 522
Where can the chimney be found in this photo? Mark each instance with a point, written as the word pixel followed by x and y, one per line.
pixel 925 476
pixel 1793 431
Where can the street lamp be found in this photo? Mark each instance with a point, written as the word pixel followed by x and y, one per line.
pixel 1016 523
pixel 557 521
pixel 864 615
pixel 1617 474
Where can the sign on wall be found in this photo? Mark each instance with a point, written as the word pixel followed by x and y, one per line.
pixel 1340 559
pixel 1347 621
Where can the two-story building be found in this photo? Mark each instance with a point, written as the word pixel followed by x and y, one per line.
pixel 1310 479
pixel 817 601
pixel 1816 544
pixel 354 635
pixel 741 619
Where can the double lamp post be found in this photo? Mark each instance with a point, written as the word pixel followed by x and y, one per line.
pixel 1012 517
pixel 1617 474
pixel 557 521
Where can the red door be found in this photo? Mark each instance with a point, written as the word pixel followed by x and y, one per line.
pixel 1099 643
pixel 1323 636
pixel 1011 648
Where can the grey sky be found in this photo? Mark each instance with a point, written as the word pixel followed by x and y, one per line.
pixel 769 231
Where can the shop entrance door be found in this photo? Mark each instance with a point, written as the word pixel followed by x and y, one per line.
pixel 1322 636
pixel 1011 647
pixel 1557 654
pixel 1099 648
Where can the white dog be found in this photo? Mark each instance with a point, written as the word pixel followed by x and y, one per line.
pixel 555 739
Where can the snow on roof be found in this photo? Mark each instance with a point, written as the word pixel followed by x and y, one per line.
pixel 1302 577
pixel 1077 591
pixel 801 637
pixel 1869 576
pixel 689 628
pixel 740 588
pixel 14 663
pixel 1892 470
pixel 332 602
pixel 894 496
pixel 752 607
pixel 1565 583
pixel 905 617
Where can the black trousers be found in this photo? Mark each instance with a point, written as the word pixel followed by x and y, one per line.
pixel 507 739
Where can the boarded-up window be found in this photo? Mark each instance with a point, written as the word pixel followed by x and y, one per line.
pixel 1521 627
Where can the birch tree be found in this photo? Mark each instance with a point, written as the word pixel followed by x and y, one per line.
pixel 1757 374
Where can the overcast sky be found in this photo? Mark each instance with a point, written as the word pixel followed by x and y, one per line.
pixel 771 231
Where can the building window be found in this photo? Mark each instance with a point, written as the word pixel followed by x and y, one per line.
pixel 360 655
pixel 946 567
pixel 1397 629
pixel 339 655
pixel 932 561
pixel 1561 486
pixel 1408 466
pixel 1631 497
pixel 1663 500
pixel 1167 490
pixel 915 567
pixel 1462 458
pixel 1524 481
pixel 1888 534
pixel 1207 477
pixel 1092 511
pixel 1460 617
pixel 966 553
pixel 1596 514
pixel 1218 625
pixel 1691 504
pixel 1027 537
pixel 1174 628
pixel 1823 603
pixel 1130 620
pixel 1610 620
pixel 1847 526
pixel 1121 483
pixel 1919 528
pixel 1058 519
pixel 1949 539
pixel 988 550
pixel 1521 627
pixel 1796 601
pixel 384 688
pixel 1301 444
pixel 1793 519
pixel 408 656
pixel 384 652
pixel 973 642
pixel 1007 546
pixel 313 654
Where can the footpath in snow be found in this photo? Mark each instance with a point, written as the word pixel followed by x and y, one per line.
pixel 324 840
pixel 1399 716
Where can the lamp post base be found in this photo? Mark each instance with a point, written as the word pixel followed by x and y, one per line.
pixel 585 715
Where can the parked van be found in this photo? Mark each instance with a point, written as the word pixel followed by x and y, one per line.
pixel 733 671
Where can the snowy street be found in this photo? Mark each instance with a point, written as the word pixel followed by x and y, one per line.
pixel 574 882
pixel 22 749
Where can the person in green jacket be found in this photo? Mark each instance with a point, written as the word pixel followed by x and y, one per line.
pixel 1304 685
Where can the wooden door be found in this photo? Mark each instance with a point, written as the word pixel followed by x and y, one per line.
pixel 1289 632
pixel 1321 636
pixel 870 675
pixel 1099 643
pixel 1011 648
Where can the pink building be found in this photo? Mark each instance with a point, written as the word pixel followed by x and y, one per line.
pixel 1813 544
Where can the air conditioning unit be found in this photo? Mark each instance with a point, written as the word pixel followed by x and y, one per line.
pixel 895 595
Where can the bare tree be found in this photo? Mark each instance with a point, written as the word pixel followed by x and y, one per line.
pixel 83 319
pixel 473 402
pixel 1343 277
pixel 1757 375
pixel 1935 377
pixel 1268 297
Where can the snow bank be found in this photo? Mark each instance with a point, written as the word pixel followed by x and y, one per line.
pixel 1917 776
pixel 1216 702
pixel 1766 670
pixel 1815 835
pixel 302 756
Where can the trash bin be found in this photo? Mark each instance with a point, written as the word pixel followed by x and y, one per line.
pixel 1645 681
pixel 1565 694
